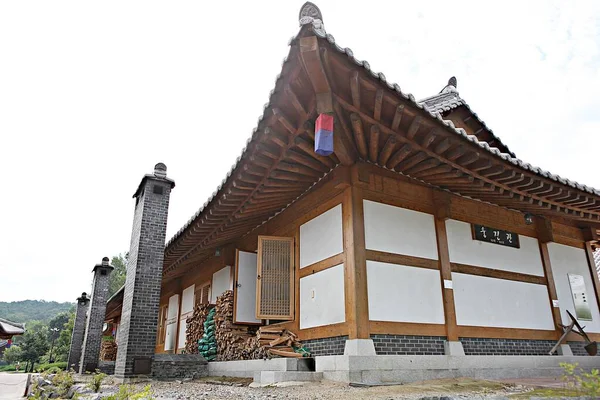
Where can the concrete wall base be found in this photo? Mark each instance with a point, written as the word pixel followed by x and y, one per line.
pixel 405 369
pixel 248 368
pixel 359 347
pixel 564 350
pixel 453 348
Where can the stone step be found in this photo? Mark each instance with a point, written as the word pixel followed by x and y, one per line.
pixel 271 377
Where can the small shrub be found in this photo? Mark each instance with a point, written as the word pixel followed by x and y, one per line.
pixel 7 368
pixel 61 365
pixel 577 379
pixel 63 380
pixel 128 392
pixel 96 381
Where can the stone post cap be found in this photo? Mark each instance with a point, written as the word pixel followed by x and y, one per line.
pixel 159 174
pixel 104 265
pixel 83 298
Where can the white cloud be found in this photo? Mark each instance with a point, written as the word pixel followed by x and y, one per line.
pixel 92 95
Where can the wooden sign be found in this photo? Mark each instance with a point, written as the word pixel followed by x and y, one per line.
pixel 496 236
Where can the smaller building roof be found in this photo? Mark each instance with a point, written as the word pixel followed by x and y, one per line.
pixel 9 329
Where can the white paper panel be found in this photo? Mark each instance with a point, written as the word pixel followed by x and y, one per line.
pixel 398 230
pixel 246 291
pixel 571 260
pixel 187 300
pixel 464 250
pixel 400 293
pixel 170 336
pixel 221 282
pixel 181 339
pixel 322 298
pixel 173 309
pixel 321 237
pixel 483 301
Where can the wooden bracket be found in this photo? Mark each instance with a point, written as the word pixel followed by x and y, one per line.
pixel 544 230
pixel 590 234
pixel 311 59
pixel 442 203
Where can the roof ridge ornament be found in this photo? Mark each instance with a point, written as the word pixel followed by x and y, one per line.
pixel 310 14
pixel 451 86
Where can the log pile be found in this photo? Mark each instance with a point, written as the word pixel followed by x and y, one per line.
pixel 195 328
pixel 234 342
pixel 280 342
pixel 108 351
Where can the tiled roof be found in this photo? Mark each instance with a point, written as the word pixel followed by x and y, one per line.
pixel 317 27
pixel 449 99
pixel 8 328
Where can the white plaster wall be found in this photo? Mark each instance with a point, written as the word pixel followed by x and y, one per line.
pixel 399 230
pixel 181 338
pixel 187 300
pixel 322 298
pixel 170 336
pixel 465 250
pixel 321 237
pixel 571 260
pixel 401 293
pixel 483 301
pixel 221 282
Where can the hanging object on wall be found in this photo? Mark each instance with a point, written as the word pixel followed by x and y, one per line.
pixel 324 135
pixel 580 297
pixel 496 236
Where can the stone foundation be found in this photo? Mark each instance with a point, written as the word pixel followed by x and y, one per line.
pixel 408 345
pixel 108 367
pixel 179 366
pixel 333 346
pixel 506 347
pixel 578 349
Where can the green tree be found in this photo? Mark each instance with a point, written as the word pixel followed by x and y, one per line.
pixel 34 343
pixel 59 335
pixel 13 354
pixel 117 277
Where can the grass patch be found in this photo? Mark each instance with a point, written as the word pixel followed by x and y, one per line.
pixel 225 380
pixel 547 392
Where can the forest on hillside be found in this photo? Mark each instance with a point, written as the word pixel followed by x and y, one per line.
pixel 32 310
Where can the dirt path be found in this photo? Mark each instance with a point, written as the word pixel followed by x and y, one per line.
pixel 12 386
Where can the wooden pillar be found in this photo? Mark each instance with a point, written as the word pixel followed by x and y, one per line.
pixel 355 266
pixel 551 287
pixel 178 323
pixel 593 272
pixel 446 274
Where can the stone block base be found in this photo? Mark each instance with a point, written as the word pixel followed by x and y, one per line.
pixel 249 368
pixel 359 347
pixel 406 369
pixel 453 348
pixel 179 366
pixel 108 367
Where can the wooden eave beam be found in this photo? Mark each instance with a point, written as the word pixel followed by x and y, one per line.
pixel 311 59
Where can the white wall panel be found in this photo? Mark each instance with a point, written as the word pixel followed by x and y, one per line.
pixel 464 250
pixel 173 308
pixel 187 300
pixel 483 301
pixel 571 260
pixel 221 282
pixel 170 336
pixel 181 339
pixel 322 298
pixel 404 294
pixel 245 300
pixel 399 230
pixel 321 237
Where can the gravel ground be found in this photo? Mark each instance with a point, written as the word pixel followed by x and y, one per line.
pixel 441 389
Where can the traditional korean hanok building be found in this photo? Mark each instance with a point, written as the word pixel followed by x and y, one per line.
pixel 421 234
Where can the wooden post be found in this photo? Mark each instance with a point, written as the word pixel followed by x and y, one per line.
pixel 446 274
pixel 551 287
pixel 178 323
pixel 593 272
pixel 355 267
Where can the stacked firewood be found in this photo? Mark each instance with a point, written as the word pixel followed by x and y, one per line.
pixel 233 340
pixel 280 342
pixel 195 328
pixel 108 351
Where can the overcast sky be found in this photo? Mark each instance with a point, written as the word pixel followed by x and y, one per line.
pixel 93 94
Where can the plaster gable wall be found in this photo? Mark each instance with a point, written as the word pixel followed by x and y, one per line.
pixel 398 230
pixel 465 250
pixel 321 237
pixel 322 298
pixel 400 293
pixel 499 303
pixel 572 260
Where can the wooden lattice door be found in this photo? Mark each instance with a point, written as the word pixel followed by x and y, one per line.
pixel 275 278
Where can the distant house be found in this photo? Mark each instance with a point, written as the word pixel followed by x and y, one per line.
pixel 8 329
